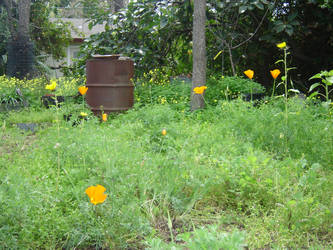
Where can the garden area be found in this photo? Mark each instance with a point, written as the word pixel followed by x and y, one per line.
pixel 229 176
pixel 251 167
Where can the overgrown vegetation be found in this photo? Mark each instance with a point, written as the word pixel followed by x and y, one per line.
pixel 229 176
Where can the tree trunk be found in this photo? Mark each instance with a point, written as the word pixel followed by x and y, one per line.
pixel 24 18
pixel 199 52
pixel 118 4
pixel 20 61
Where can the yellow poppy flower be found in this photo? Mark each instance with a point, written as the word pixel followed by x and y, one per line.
pixel 281 45
pixel 200 90
pixel 164 132
pixel 105 117
pixel 83 90
pixel 249 73
pixel 96 194
pixel 275 73
pixel 52 85
pixel 83 114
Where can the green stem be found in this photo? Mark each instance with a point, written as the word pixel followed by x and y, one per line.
pixel 286 99
pixel 285 74
pixel 273 88
pixel 251 94
pixel 58 135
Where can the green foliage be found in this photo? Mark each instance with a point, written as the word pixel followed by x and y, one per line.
pixel 142 32
pixel 33 90
pixel 221 88
pixel 326 78
pixel 155 87
pixel 203 238
pixel 50 37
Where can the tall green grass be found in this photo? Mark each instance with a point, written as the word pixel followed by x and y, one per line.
pixel 255 178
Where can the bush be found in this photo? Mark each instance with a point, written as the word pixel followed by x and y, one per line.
pixel 221 88
pixel 155 87
pixel 32 90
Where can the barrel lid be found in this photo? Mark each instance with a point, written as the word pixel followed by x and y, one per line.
pixel 114 56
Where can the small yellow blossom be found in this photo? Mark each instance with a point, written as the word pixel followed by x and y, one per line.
pixel 275 73
pixel 52 85
pixel 104 117
pixel 164 132
pixel 83 90
pixel 96 194
pixel 200 90
pixel 249 73
pixel 281 45
pixel 83 114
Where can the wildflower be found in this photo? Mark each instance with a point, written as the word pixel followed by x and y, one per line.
pixel 164 132
pixel 96 194
pixel 281 45
pixel 83 90
pixel 104 117
pixel 52 85
pixel 83 114
pixel 199 90
pixel 275 73
pixel 249 73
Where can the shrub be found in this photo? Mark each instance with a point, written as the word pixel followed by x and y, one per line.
pixel 220 88
pixel 155 87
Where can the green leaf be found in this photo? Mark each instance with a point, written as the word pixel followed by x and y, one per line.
pixel 328 83
pixel 280 83
pixel 313 86
pixel 242 9
pixel 279 28
pixel 292 16
pixel 294 90
pixel 259 5
pixel 316 76
pixel 289 30
pixel 330 80
pixel 278 61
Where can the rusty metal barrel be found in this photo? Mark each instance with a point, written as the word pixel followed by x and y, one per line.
pixel 109 83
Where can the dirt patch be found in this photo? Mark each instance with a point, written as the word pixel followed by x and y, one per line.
pixel 11 145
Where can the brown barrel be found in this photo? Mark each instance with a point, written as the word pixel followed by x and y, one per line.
pixel 109 84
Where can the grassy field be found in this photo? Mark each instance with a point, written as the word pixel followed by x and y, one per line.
pixel 226 177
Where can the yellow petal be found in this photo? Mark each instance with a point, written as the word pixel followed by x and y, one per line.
pixel 275 73
pixel 96 194
pixel 83 90
pixel 100 189
pixel 249 73
pixel 281 45
pixel 200 90
pixel 90 191
pixel 99 198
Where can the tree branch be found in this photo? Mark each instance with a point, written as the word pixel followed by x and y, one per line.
pixel 256 30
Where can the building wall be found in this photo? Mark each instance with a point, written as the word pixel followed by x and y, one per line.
pixel 71 53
